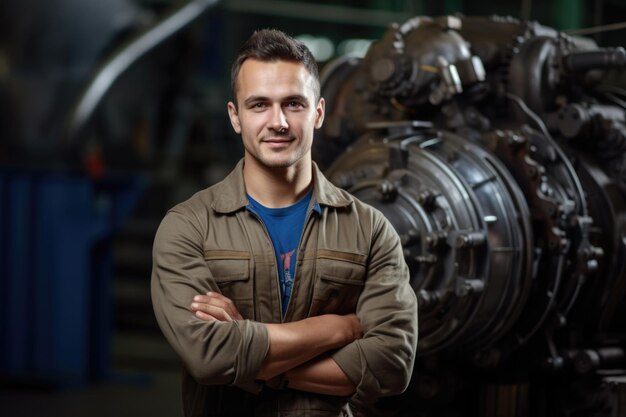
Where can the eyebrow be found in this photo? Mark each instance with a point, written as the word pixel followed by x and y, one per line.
pixel 255 99
pixel 296 97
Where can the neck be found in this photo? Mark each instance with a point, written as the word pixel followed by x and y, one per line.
pixel 277 187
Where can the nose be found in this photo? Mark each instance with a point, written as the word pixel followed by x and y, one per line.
pixel 279 120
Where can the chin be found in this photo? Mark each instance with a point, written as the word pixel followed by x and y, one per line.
pixel 282 162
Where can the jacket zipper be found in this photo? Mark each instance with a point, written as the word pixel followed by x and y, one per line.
pixel 269 239
pixel 267 235
pixel 306 224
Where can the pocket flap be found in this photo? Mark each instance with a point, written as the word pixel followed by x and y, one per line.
pixel 338 280
pixel 228 265
pixel 341 267
pixel 355 258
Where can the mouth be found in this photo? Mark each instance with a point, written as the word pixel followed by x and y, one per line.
pixel 278 141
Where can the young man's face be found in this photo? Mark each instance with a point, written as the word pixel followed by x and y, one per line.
pixel 276 112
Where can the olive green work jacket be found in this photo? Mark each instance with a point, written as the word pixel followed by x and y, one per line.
pixel 349 261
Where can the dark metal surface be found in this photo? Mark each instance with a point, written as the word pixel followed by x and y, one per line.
pixel 497 150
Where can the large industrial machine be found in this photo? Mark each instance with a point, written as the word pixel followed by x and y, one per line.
pixel 497 149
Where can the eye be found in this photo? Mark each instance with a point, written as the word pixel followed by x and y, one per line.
pixel 294 104
pixel 258 106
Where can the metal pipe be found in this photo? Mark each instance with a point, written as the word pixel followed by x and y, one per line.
pixel 600 59
pixel 111 70
pixel 596 29
pixel 318 12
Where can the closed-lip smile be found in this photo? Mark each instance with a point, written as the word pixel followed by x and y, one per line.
pixel 277 140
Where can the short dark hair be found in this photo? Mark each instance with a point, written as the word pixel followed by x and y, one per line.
pixel 274 45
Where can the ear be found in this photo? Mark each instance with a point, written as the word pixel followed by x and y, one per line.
pixel 234 117
pixel 319 113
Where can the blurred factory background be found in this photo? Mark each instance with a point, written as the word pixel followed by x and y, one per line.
pixel 113 111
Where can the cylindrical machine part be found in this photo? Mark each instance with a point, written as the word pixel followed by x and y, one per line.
pixel 601 59
pixel 470 254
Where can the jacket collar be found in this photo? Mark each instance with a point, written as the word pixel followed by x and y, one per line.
pixel 231 192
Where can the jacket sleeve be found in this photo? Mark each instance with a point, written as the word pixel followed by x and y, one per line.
pixel 381 363
pixel 213 352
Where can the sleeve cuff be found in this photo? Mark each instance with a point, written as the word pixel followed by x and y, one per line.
pixel 352 362
pixel 254 346
pixel 348 358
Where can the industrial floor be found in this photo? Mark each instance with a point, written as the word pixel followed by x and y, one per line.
pixel 144 381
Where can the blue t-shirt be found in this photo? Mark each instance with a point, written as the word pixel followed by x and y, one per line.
pixel 284 226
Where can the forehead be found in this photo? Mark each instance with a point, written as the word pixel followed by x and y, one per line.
pixel 274 79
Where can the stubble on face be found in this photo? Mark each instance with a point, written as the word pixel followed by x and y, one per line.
pixel 276 87
pixel 275 158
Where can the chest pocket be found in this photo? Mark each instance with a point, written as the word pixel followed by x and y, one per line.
pixel 340 277
pixel 231 271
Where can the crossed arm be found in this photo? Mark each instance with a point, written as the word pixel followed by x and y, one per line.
pixel 297 349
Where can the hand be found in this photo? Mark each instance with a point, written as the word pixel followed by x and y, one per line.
pixel 355 326
pixel 214 306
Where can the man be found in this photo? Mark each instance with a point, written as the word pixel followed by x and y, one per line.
pixel 282 294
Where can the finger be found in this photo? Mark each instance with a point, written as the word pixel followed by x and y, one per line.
pixel 218 300
pixel 215 311
pixel 219 303
pixel 212 295
pixel 204 316
pixel 221 298
pixel 227 304
pixel 217 295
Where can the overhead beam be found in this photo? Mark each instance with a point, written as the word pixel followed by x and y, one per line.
pixel 317 12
